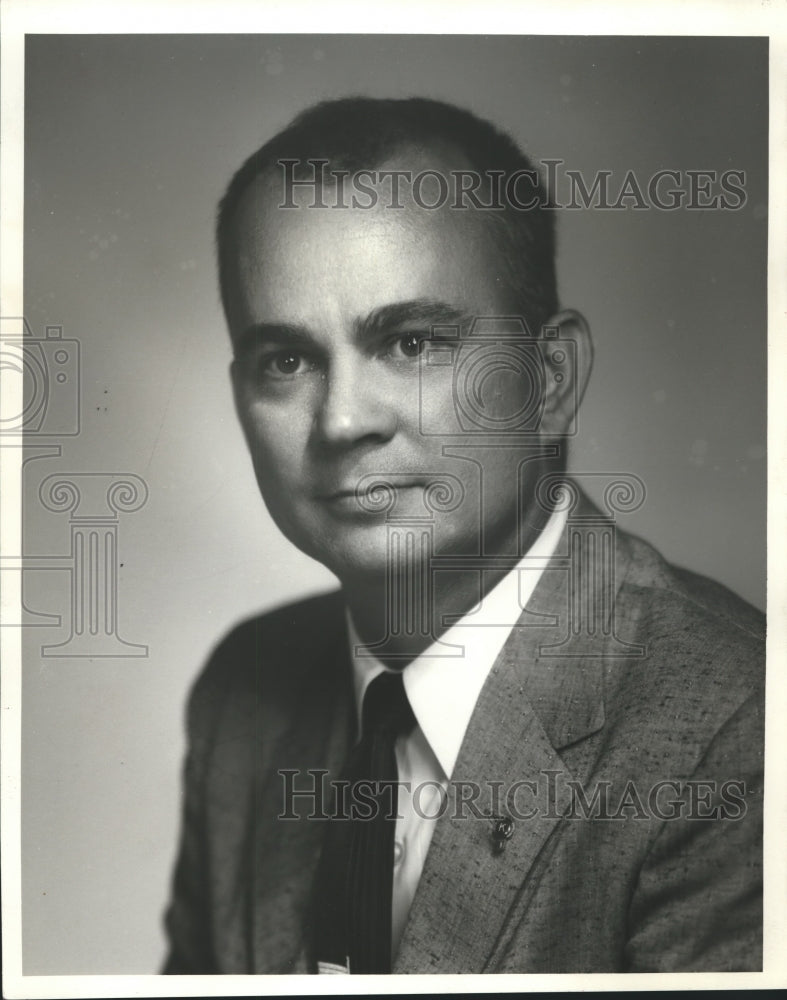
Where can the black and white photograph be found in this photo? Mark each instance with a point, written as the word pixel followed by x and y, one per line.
pixel 387 529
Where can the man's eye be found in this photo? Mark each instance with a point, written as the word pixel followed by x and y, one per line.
pixel 410 345
pixel 285 363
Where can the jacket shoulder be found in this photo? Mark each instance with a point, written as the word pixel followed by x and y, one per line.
pixel 275 652
pixel 684 596
pixel 703 646
pixel 291 629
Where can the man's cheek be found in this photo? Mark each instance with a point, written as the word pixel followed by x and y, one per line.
pixel 273 443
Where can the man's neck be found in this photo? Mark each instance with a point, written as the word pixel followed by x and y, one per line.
pixel 398 629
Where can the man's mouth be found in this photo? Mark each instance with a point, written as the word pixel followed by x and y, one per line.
pixel 369 494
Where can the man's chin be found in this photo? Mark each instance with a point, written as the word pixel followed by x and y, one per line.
pixel 368 554
pixel 352 564
pixel 370 548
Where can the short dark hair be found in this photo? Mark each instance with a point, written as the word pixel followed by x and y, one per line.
pixel 361 132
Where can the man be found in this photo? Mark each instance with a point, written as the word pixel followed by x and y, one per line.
pixel 571 726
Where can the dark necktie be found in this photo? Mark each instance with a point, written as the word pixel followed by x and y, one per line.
pixel 355 876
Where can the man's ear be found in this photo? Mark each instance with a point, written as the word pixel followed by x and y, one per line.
pixel 568 355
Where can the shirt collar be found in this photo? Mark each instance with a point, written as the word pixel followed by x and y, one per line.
pixel 443 683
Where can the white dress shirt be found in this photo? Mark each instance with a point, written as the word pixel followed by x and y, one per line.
pixel 442 690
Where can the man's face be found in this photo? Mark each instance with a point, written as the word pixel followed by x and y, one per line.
pixel 328 311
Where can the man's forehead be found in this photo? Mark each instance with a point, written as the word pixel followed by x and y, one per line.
pixel 421 179
pixel 327 267
pixel 281 240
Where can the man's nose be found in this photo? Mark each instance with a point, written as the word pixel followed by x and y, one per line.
pixel 354 407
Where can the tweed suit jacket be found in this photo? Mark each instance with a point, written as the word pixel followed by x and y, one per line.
pixel 666 694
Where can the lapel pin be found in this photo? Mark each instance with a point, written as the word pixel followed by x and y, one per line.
pixel 502 832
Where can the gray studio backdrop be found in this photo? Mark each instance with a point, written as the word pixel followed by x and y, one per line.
pixel 129 141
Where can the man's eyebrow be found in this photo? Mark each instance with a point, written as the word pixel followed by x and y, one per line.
pixel 425 312
pixel 259 334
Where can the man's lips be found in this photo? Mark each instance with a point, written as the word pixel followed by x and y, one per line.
pixel 369 490
pixel 380 493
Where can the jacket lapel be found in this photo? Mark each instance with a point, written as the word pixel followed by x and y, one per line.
pixel 544 693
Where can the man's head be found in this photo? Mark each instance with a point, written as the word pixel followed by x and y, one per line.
pixel 360 134
pixel 333 313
